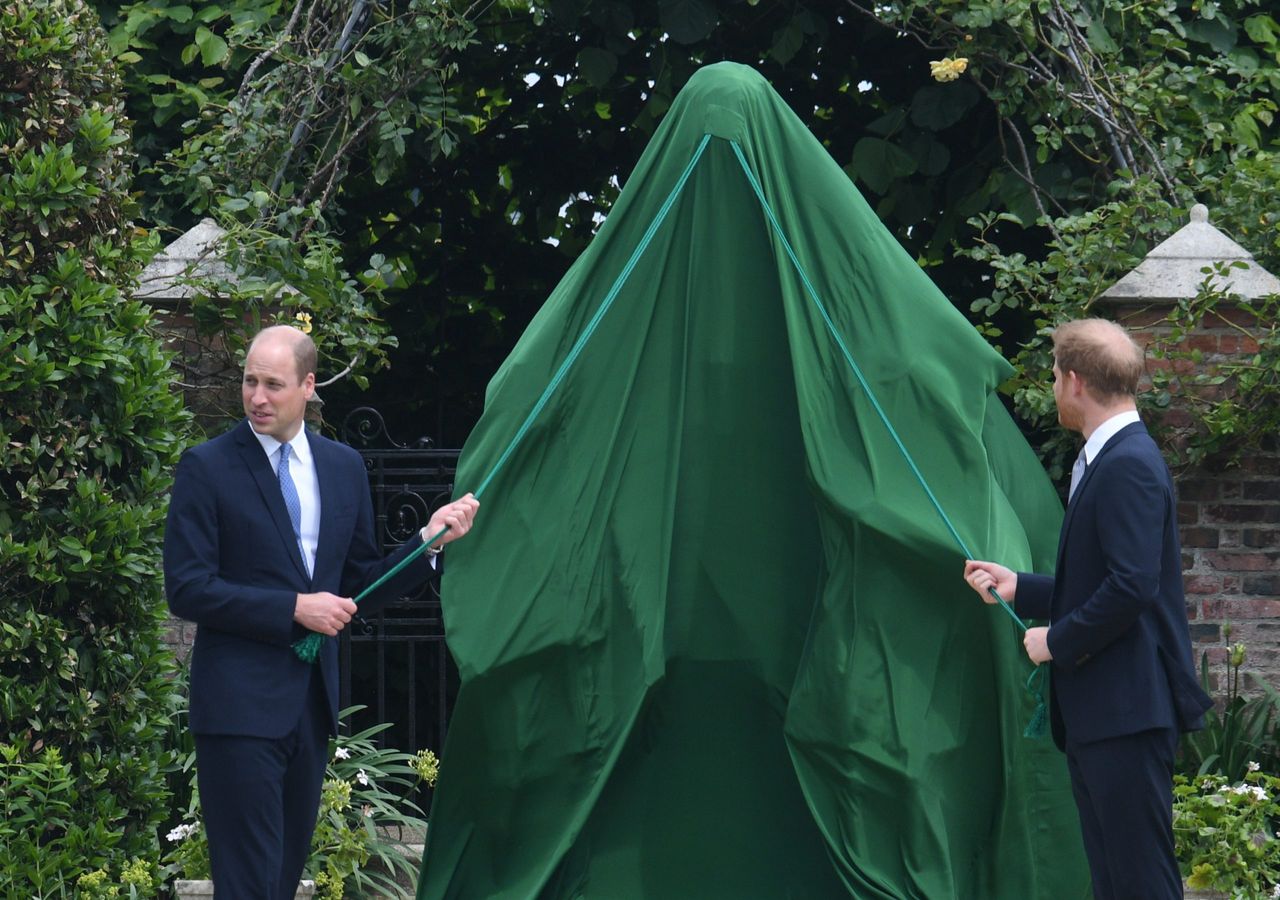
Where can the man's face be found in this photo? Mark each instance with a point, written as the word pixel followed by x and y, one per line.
pixel 1065 388
pixel 274 398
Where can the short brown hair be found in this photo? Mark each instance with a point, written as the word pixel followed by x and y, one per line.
pixel 1103 354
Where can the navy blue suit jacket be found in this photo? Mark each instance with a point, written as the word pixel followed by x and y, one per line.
pixel 1118 623
pixel 233 566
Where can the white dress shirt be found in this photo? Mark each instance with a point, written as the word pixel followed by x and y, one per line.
pixel 1106 431
pixel 302 469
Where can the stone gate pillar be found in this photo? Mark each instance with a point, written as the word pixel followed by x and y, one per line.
pixel 1229 516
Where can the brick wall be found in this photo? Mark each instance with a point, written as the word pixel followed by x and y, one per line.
pixel 1231 560
pixel 1229 519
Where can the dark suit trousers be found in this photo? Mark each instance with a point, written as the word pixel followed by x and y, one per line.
pixel 1123 788
pixel 260 797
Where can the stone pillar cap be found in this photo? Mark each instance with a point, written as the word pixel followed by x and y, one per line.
pixel 1172 271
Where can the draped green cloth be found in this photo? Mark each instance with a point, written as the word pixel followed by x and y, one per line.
pixel 713 636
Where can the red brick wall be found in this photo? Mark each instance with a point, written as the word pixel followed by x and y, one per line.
pixel 1229 518
pixel 1231 560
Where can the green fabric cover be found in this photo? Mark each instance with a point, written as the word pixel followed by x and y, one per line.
pixel 713 637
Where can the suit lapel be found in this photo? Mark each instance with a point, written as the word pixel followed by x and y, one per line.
pixel 1121 435
pixel 329 485
pixel 256 462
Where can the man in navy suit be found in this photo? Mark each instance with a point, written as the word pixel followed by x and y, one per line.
pixel 1122 682
pixel 270 533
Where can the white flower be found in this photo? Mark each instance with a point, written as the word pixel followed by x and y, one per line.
pixel 342 753
pixel 362 778
pixel 182 832
pixel 1253 767
pixel 367 810
pixel 1275 892
pixel 1248 790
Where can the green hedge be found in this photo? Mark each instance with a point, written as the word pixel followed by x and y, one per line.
pixel 90 429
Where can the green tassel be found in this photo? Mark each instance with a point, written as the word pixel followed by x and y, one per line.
pixel 1037 727
pixel 308 648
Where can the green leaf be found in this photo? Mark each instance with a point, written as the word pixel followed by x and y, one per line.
pixel 889 122
pixel 687 21
pixel 940 106
pixel 879 163
pixel 1244 128
pixel 932 156
pixel 1218 34
pixel 1262 29
pixel 597 65
pixel 787 42
pixel 613 16
pixel 1099 38
pixel 213 49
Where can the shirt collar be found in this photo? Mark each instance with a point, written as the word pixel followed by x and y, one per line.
pixel 1106 431
pixel 301 448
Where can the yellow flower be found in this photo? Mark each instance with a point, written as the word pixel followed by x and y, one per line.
pixel 948 69
pixel 304 320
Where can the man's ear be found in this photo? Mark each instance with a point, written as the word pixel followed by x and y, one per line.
pixel 1075 384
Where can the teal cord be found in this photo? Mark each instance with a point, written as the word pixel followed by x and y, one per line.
pixel 604 308
pixel 308 648
pixel 1038 716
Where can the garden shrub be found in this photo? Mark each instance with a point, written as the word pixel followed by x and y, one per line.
pixel 89 433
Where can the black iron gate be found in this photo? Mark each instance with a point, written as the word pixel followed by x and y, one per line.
pixel 396 663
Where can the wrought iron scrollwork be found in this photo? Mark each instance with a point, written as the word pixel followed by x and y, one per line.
pixel 399 665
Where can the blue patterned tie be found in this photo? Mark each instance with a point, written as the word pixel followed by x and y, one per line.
pixel 291 501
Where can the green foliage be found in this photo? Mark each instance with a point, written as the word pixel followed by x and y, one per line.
pixel 88 434
pixel 1115 119
pixel 1225 833
pixel 62 139
pixel 1153 90
pixel 138 879
pixel 44 836
pixel 1238 731
pixel 1245 731
pixel 1091 252
pixel 367 815
pixel 276 103
pixel 559 101
pixel 1233 402
pixel 1062 107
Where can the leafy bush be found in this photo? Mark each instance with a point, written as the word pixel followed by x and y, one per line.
pixel 270 107
pixel 1233 405
pixel 1225 833
pixel 42 837
pixel 89 432
pixel 1238 730
pixel 367 817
